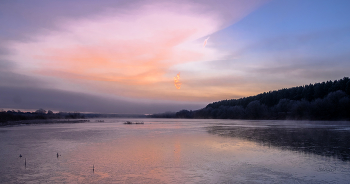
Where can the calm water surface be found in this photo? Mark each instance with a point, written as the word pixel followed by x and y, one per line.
pixel 177 151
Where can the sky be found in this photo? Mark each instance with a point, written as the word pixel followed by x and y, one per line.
pixel 131 56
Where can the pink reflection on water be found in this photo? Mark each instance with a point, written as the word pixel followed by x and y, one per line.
pixel 134 159
pixel 168 152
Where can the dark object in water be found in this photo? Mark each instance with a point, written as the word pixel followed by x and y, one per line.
pixel 100 120
pixel 93 168
pixel 20 156
pixel 130 123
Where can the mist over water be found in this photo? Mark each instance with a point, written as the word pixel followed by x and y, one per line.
pixel 176 151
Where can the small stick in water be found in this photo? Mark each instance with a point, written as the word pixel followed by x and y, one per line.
pixel 25 162
pixel 57 155
pixel 93 168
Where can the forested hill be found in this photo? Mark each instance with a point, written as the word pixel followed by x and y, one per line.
pixel 309 92
pixel 320 101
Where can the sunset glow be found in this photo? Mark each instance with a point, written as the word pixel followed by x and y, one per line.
pixel 127 52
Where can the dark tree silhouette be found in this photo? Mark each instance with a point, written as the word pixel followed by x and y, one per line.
pixel 40 111
pixel 320 101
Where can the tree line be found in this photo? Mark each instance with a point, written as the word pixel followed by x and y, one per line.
pixel 320 101
pixel 12 115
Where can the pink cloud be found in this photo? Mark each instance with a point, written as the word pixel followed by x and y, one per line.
pixel 134 49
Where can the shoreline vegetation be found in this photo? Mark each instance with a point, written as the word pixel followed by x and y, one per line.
pixel 320 101
pixel 41 116
pixel 42 121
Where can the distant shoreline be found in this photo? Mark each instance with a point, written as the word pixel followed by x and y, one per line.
pixel 41 121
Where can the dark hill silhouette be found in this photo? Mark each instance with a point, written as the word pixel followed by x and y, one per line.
pixel 320 101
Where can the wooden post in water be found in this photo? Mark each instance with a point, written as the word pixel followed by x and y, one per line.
pixel 25 162
pixel 93 168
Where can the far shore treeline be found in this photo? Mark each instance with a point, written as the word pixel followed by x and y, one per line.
pixel 320 101
pixel 12 115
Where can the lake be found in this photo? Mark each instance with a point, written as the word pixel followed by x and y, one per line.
pixel 176 151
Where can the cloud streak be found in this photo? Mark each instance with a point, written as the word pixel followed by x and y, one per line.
pixel 34 98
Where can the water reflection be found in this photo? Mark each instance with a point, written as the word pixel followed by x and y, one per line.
pixel 164 151
pixel 325 140
pixel 132 159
